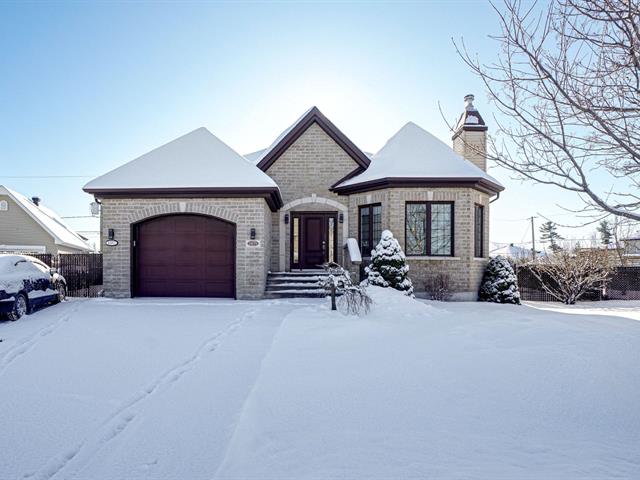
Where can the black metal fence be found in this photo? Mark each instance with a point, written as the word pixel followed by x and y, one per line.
pixel 82 271
pixel 531 288
pixel 624 284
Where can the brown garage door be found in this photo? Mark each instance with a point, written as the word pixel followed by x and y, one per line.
pixel 184 256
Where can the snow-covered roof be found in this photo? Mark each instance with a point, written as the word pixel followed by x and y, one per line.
pixel 196 160
pixel 49 220
pixel 254 157
pixel 514 251
pixel 415 153
pixel 263 153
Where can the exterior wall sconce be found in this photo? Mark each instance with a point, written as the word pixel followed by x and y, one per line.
pixel 252 233
pixel 111 238
pixel 286 218
pixel 341 217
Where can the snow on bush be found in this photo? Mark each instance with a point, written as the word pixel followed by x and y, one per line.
pixel 388 266
pixel 353 299
pixel 499 284
pixel 567 276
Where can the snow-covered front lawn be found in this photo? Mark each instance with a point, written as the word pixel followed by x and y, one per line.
pixel 190 389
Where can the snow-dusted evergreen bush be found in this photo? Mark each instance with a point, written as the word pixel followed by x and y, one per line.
pixel 388 266
pixel 499 283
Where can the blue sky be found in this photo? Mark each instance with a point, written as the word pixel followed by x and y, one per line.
pixel 87 87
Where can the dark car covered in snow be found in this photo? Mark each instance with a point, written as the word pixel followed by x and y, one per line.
pixel 26 283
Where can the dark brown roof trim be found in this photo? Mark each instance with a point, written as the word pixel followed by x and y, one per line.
pixel 481 184
pixel 314 115
pixel 349 175
pixel 270 194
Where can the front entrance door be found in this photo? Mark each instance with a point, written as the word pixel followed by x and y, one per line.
pixel 313 239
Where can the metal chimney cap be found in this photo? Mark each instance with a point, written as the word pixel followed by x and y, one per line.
pixel 468 101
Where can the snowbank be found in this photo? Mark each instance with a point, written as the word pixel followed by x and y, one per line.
pixel 472 391
pixel 163 389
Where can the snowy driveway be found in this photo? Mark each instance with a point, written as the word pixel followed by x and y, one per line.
pixel 164 389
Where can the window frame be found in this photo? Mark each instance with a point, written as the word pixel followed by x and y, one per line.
pixel 370 207
pixel 478 207
pixel 427 227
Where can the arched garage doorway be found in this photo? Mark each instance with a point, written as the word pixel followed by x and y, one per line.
pixel 183 255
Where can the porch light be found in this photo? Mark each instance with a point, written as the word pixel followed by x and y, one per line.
pixel 286 218
pixel 341 217
pixel 252 233
pixel 111 234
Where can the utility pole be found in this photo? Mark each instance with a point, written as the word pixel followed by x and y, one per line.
pixel 533 240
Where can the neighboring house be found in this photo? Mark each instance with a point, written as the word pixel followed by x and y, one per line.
pixel 625 253
pixel 631 249
pixel 195 218
pixel 27 226
pixel 515 252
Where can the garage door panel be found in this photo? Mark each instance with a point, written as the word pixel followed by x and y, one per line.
pixel 185 256
pixel 218 290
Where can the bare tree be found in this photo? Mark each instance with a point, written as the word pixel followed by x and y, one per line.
pixel 352 299
pixel 567 86
pixel 439 287
pixel 568 276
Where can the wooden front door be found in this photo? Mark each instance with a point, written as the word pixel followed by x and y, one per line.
pixel 313 239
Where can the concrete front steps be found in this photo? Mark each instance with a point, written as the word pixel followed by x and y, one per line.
pixel 296 284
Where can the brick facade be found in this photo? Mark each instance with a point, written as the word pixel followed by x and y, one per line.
pixel 464 271
pixel 472 145
pixel 252 263
pixel 304 173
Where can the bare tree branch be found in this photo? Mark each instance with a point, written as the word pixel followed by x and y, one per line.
pixel 566 86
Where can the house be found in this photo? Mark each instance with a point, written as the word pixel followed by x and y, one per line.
pixel 195 218
pixel 623 253
pixel 27 226
pixel 515 252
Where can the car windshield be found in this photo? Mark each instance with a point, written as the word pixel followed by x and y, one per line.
pixel 40 266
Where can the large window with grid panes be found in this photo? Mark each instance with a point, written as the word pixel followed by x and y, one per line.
pixel 429 229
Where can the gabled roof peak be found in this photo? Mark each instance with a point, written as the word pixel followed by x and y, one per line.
pixel 291 134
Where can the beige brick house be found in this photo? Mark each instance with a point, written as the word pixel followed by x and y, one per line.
pixel 195 218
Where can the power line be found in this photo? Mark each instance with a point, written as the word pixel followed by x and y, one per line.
pixel 511 219
pixel 48 176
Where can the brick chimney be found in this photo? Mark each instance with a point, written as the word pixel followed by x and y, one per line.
pixel 470 136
